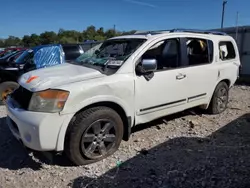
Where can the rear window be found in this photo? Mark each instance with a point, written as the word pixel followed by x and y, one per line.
pixel 227 50
pixel 70 49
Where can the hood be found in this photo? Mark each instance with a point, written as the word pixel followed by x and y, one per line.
pixel 50 77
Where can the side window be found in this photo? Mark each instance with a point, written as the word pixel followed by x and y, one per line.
pixel 166 53
pixel 71 52
pixel 210 50
pixel 85 47
pixel 199 51
pixel 227 50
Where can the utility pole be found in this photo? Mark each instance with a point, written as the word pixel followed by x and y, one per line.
pixel 236 33
pixel 114 28
pixel 223 11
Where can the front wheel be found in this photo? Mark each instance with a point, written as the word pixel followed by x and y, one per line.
pixel 93 135
pixel 219 100
pixel 6 88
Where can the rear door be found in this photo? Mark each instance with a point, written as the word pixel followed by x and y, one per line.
pixel 201 72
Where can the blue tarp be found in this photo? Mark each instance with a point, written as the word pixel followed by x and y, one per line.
pixel 43 56
pixel 48 55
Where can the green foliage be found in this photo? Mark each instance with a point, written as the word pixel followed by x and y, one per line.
pixel 12 41
pixel 62 37
pixel 48 37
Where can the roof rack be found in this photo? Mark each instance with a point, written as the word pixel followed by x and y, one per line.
pixel 152 32
pixel 198 31
pixel 181 30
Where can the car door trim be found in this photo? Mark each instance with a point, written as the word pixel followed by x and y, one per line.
pixel 162 105
pixel 197 96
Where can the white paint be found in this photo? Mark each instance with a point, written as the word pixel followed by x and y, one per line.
pixel 125 88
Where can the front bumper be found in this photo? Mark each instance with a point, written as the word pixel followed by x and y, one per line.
pixel 37 131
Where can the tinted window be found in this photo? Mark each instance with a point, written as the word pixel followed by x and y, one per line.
pixel 210 50
pixel 85 47
pixel 199 51
pixel 70 49
pixel 71 52
pixel 227 50
pixel 25 56
pixel 165 52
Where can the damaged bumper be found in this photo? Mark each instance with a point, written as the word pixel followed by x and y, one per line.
pixel 37 131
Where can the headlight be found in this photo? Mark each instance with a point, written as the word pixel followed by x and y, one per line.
pixel 48 101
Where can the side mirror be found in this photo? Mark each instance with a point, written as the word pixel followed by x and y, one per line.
pixel 149 65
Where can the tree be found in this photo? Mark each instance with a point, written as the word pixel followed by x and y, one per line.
pixel 69 35
pixel 66 40
pixel 34 40
pixel 90 33
pixel 110 33
pixel 2 43
pixel 100 32
pixel 26 40
pixel 13 41
pixel 63 36
pixel 48 37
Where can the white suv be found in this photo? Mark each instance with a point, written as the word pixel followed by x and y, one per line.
pixel 88 106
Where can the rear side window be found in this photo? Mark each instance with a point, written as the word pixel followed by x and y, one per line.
pixel 210 50
pixel 227 50
pixel 199 51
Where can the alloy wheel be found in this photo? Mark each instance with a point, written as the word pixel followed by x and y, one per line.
pixel 98 139
pixel 222 99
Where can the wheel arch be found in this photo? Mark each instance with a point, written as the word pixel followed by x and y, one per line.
pixel 229 84
pixel 126 118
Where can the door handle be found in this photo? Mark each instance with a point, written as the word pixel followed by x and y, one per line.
pixel 180 76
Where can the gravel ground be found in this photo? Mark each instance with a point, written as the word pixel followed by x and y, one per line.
pixel 184 150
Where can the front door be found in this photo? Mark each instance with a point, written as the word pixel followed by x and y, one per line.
pixel 163 92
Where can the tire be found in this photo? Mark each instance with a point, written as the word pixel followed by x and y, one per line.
pixel 86 123
pixel 214 106
pixel 6 88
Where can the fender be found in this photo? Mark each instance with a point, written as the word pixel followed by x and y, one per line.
pixel 69 114
pixel 96 99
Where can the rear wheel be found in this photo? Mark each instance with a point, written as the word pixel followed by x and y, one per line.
pixel 6 88
pixel 219 100
pixel 94 135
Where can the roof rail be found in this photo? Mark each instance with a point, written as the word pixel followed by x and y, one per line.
pixel 151 32
pixel 198 31
pixel 181 30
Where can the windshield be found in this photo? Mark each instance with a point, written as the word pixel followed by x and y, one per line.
pixel 24 56
pixel 111 52
pixel 8 53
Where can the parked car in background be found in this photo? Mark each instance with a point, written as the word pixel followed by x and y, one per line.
pixel 88 44
pixel 10 56
pixel 31 59
pixel 87 106
pixel 73 51
pixel 10 50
